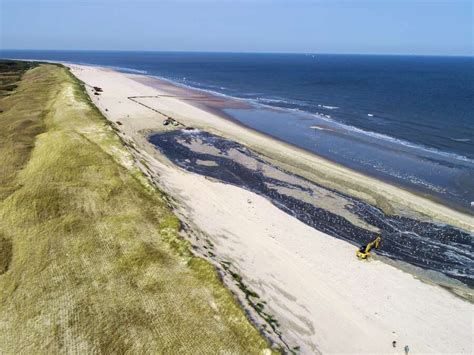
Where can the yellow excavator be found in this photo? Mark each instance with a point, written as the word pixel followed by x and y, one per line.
pixel 364 251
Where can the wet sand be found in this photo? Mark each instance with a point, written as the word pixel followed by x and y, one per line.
pixel 199 98
pixel 320 297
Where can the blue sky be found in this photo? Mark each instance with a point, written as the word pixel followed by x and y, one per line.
pixel 318 26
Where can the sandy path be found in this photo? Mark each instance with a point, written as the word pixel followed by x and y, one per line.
pixel 325 299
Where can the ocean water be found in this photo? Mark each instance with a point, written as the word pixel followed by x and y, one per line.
pixel 406 119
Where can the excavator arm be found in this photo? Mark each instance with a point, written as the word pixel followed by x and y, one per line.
pixel 364 251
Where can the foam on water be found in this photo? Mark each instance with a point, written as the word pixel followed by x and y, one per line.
pixel 128 70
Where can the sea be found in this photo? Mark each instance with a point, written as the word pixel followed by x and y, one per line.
pixel 408 120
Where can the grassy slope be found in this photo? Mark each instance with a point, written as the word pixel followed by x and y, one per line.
pixel 90 257
pixel 18 127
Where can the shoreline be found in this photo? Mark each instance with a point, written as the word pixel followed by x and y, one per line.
pixel 324 299
pixel 231 101
pixel 157 83
pixel 393 205
pixel 456 214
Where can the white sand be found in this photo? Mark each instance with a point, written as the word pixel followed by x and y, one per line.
pixel 325 299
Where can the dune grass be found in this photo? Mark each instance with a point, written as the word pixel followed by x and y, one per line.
pixel 18 127
pixel 90 256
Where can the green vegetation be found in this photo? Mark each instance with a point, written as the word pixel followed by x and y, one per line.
pixel 11 73
pixel 90 256
pixel 253 299
pixel 19 123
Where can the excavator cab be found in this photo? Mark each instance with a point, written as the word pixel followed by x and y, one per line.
pixel 364 251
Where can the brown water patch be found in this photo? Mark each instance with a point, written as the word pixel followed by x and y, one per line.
pixel 194 96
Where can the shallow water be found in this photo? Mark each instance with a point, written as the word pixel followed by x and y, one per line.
pixel 444 176
pixel 430 246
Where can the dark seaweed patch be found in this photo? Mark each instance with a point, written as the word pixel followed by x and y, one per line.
pixel 442 248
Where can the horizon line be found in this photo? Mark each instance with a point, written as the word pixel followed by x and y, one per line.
pixel 236 52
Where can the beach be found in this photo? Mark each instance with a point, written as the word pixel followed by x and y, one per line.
pixel 372 114
pixel 323 298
